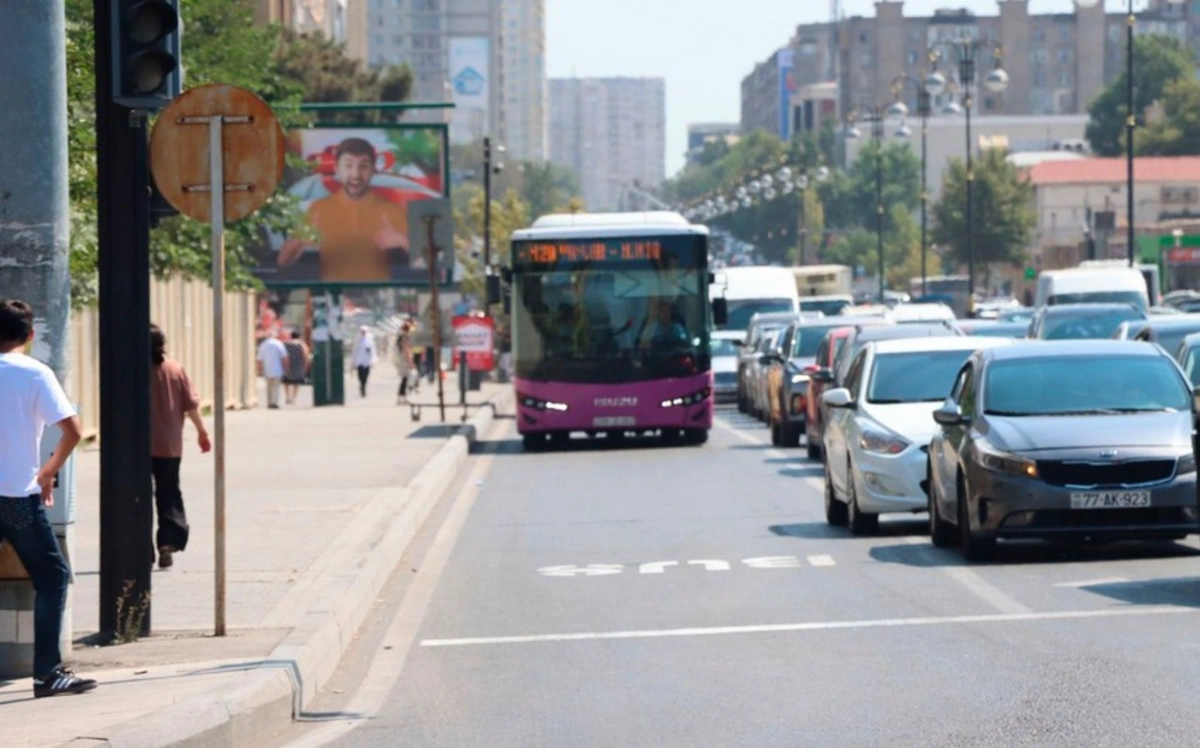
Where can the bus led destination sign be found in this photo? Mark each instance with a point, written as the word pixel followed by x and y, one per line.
pixel 554 253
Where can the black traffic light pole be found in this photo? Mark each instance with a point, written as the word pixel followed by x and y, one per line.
pixel 123 207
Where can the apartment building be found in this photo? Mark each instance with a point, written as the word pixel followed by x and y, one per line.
pixel 487 56
pixel 344 21
pixel 611 132
pixel 1056 62
pixel 701 134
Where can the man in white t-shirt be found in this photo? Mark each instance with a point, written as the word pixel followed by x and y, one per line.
pixel 31 399
pixel 272 356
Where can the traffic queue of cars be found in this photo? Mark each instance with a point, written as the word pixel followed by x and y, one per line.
pixel 1072 422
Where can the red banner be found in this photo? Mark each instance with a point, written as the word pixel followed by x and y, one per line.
pixel 1183 255
pixel 475 334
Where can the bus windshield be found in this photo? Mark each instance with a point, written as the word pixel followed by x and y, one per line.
pixel 632 323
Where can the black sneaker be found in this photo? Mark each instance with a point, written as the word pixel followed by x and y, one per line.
pixel 61 681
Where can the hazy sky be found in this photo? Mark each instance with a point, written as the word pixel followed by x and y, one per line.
pixel 702 47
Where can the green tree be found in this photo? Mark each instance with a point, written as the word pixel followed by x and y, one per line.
pixel 1158 60
pixel 1003 216
pixel 850 198
pixel 546 186
pixel 81 150
pixel 859 247
pixel 321 69
pixel 1177 132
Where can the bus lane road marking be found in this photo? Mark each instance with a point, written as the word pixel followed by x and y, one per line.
pixel 653 568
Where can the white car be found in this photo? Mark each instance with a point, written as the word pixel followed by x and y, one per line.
pixel 881 422
pixel 723 345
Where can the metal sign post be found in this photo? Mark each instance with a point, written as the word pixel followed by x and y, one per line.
pixel 436 310
pixel 186 165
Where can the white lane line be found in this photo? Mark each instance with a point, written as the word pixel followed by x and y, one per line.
pixel 822 560
pixel 387 664
pixel 1092 582
pixel 977 585
pixel 813 626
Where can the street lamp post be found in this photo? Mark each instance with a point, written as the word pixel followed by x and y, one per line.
pixel 1130 116
pixel 488 170
pixel 966 51
pixel 875 115
pixel 923 111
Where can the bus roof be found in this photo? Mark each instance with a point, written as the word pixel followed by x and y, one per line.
pixel 595 225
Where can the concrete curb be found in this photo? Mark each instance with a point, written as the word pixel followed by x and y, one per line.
pixel 333 608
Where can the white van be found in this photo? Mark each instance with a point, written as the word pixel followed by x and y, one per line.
pixel 1092 284
pixel 754 289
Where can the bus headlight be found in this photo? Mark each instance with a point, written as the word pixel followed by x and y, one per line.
pixel 532 402
pixel 691 399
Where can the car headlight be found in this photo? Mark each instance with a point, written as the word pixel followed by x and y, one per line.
pixel 533 402
pixel 1186 464
pixel 798 378
pixel 1004 462
pixel 882 442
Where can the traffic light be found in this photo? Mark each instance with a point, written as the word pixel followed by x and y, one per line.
pixel 145 52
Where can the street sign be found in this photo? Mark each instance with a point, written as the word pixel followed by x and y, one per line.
pixel 439 210
pixel 1030 273
pixel 252 151
pixel 210 141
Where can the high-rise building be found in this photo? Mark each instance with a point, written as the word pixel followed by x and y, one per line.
pixel 1057 63
pixel 612 133
pixel 340 20
pixel 487 56
pixel 701 134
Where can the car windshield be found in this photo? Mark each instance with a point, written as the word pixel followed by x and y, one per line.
pixel 922 376
pixel 1170 338
pixel 1015 315
pixel 722 347
pixel 1072 385
pixel 828 307
pixel 1004 330
pixel 807 340
pixel 740 311
pixel 1100 297
pixel 1083 325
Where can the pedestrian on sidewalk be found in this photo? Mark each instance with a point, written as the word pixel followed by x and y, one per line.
pixel 363 357
pixel 272 357
pixel 172 398
pixel 299 358
pixel 402 358
pixel 31 399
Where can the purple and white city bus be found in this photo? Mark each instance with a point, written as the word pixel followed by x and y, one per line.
pixel 610 326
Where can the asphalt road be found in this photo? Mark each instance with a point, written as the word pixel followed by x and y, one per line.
pixel 694 596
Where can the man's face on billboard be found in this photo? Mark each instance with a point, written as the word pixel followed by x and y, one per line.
pixel 354 172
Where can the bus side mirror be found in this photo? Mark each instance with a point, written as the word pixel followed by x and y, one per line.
pixel 720 310
pixel 493 290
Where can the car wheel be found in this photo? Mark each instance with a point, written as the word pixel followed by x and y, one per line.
pixel 696 436
pixel 835 511
pixel 940 531
pixel 973 548
pixel 860 523
pixel 741 401
pixel 813 447
pixel 776 434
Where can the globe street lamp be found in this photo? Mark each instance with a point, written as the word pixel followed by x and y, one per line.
pixel 923 110
pixel 1130 115
pixel 966 51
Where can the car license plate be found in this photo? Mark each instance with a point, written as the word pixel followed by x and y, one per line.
pixel 614 421
pixel 1109 499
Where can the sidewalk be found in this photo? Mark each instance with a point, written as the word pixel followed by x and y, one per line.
pixel 317 501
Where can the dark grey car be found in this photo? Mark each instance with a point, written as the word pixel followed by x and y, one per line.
pixel 1083 439
pixel 1082 321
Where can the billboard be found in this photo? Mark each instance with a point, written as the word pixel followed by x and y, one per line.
pixel 787 87
pixel 469 71
pixel 355 188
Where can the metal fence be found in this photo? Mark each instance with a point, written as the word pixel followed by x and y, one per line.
pixel 183 309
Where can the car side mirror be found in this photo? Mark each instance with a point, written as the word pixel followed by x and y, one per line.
pixel 838 398
pixel 720 311
pixel 949 415
pixel 823 374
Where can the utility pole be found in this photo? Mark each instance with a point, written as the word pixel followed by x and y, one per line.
pixel 34 232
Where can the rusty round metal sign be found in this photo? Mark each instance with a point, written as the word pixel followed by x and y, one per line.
pixel 253 151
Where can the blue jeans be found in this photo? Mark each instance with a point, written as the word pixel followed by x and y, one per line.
pixel 24 524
